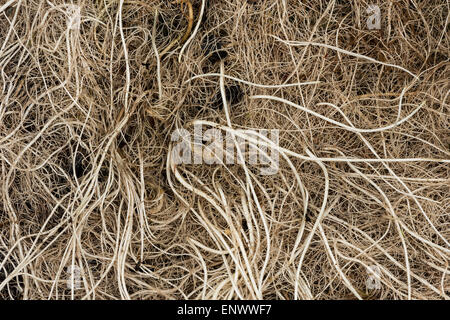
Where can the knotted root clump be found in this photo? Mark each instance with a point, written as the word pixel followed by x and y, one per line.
pixel 349 198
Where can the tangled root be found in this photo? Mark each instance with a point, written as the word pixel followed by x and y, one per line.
pixel 88 184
